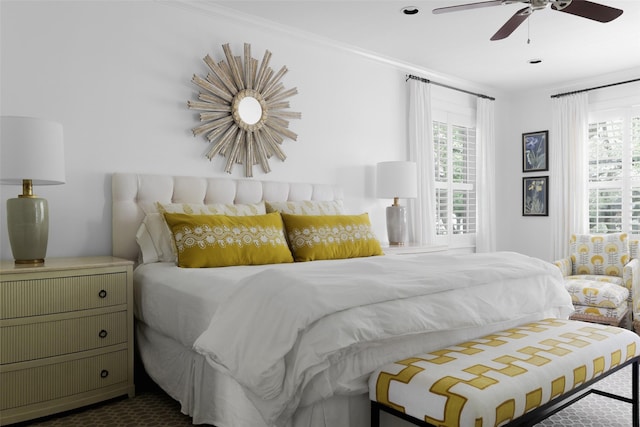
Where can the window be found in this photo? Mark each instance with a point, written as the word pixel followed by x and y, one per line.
pixel 614 171
pixel 454 140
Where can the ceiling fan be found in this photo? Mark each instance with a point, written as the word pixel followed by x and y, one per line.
pixel 585 9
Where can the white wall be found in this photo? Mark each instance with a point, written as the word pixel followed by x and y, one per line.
pixel 530 112
pixel 527 112
pixel 117 75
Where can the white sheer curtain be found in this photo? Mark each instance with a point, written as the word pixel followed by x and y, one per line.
pixel 422 209
pixel 485 178
pixel 568 196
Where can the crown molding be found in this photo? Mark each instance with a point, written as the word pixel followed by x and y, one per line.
pixel 217 10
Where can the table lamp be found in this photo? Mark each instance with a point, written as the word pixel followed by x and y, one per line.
pixel 31 153
pixel 396 180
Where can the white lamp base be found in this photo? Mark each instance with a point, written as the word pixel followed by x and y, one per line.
pixel 28 227
pixel 396 225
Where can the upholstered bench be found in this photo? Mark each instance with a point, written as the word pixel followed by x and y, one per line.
pixel 516 377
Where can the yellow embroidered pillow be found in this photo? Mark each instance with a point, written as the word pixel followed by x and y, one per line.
pixel 161 237
pixel 316 237
pixel 221 240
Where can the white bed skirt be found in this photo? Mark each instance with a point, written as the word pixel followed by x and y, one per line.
pixel 211 397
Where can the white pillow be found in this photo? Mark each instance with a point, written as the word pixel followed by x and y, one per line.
pixel 213 209
pixel 307 207
pixel 154 239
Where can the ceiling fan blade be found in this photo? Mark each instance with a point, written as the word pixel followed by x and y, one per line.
pixel 467 6
pixel 586 9
pixel 514 22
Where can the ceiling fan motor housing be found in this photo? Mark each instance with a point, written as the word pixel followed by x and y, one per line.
pixel 538 4
pixel 541 4
pixel 560 4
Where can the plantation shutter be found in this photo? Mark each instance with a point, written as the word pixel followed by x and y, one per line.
pixel 614 172
pixel 455 178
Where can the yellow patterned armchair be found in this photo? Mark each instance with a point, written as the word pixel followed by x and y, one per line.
pixel 602 274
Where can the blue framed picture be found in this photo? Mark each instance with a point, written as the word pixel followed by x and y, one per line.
pixel 535 151
pixel 535 196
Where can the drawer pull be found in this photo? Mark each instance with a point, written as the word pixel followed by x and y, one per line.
pixel 104 373
pixel 102 294
pixel 102 334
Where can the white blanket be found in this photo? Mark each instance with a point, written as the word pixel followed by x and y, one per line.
pixel 277 334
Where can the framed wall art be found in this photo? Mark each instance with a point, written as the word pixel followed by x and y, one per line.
pixel 535 196
pixel 535 151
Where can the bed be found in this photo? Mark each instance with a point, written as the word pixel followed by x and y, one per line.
pixel 292 343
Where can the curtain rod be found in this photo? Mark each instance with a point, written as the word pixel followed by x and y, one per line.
pixel 423 80
pixel 594 88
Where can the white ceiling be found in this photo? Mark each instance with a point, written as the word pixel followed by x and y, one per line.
pixel 457 44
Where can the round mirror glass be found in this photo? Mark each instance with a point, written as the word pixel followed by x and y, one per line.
pixel 249 110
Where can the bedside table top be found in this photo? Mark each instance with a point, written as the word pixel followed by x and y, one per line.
pixel 71 263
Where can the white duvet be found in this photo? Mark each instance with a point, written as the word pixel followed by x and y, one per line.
pixel 293 339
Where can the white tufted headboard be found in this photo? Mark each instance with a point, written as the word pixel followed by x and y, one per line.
pixel 132 192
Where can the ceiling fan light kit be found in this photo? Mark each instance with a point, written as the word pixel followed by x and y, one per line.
pixel 410 10
pixel 582 8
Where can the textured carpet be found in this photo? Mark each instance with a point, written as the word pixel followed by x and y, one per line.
pixel 152 407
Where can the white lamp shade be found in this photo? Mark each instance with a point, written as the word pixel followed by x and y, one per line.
pixel 31 148
pixel 396 179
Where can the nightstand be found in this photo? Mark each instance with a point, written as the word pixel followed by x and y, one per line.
pixel 66 335
pixel 412 248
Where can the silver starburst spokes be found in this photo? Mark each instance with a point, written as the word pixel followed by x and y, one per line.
pixel 244 112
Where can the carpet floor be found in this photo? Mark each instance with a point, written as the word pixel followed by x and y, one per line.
pixel 152 407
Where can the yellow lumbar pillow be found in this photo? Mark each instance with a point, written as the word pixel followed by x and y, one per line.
pixel 221 240
pixel 317 237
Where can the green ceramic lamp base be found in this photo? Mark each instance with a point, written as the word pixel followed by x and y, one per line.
pixel 28 227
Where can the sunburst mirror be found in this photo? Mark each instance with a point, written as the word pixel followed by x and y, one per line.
pixel 244 110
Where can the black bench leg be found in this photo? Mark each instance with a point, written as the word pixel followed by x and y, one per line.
pixel 375 415
pixel 635 399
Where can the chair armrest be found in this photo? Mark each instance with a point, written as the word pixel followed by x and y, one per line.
pixel 565 266
pixel 631 279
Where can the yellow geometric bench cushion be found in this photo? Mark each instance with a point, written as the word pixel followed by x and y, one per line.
pixel 499 377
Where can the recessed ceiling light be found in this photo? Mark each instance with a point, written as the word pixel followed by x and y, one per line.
pixel 535 61
pixel 410 10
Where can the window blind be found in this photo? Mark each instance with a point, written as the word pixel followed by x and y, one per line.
pixel 455 170
pixel 614 171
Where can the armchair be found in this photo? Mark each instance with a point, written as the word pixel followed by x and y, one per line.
pixel 602 274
